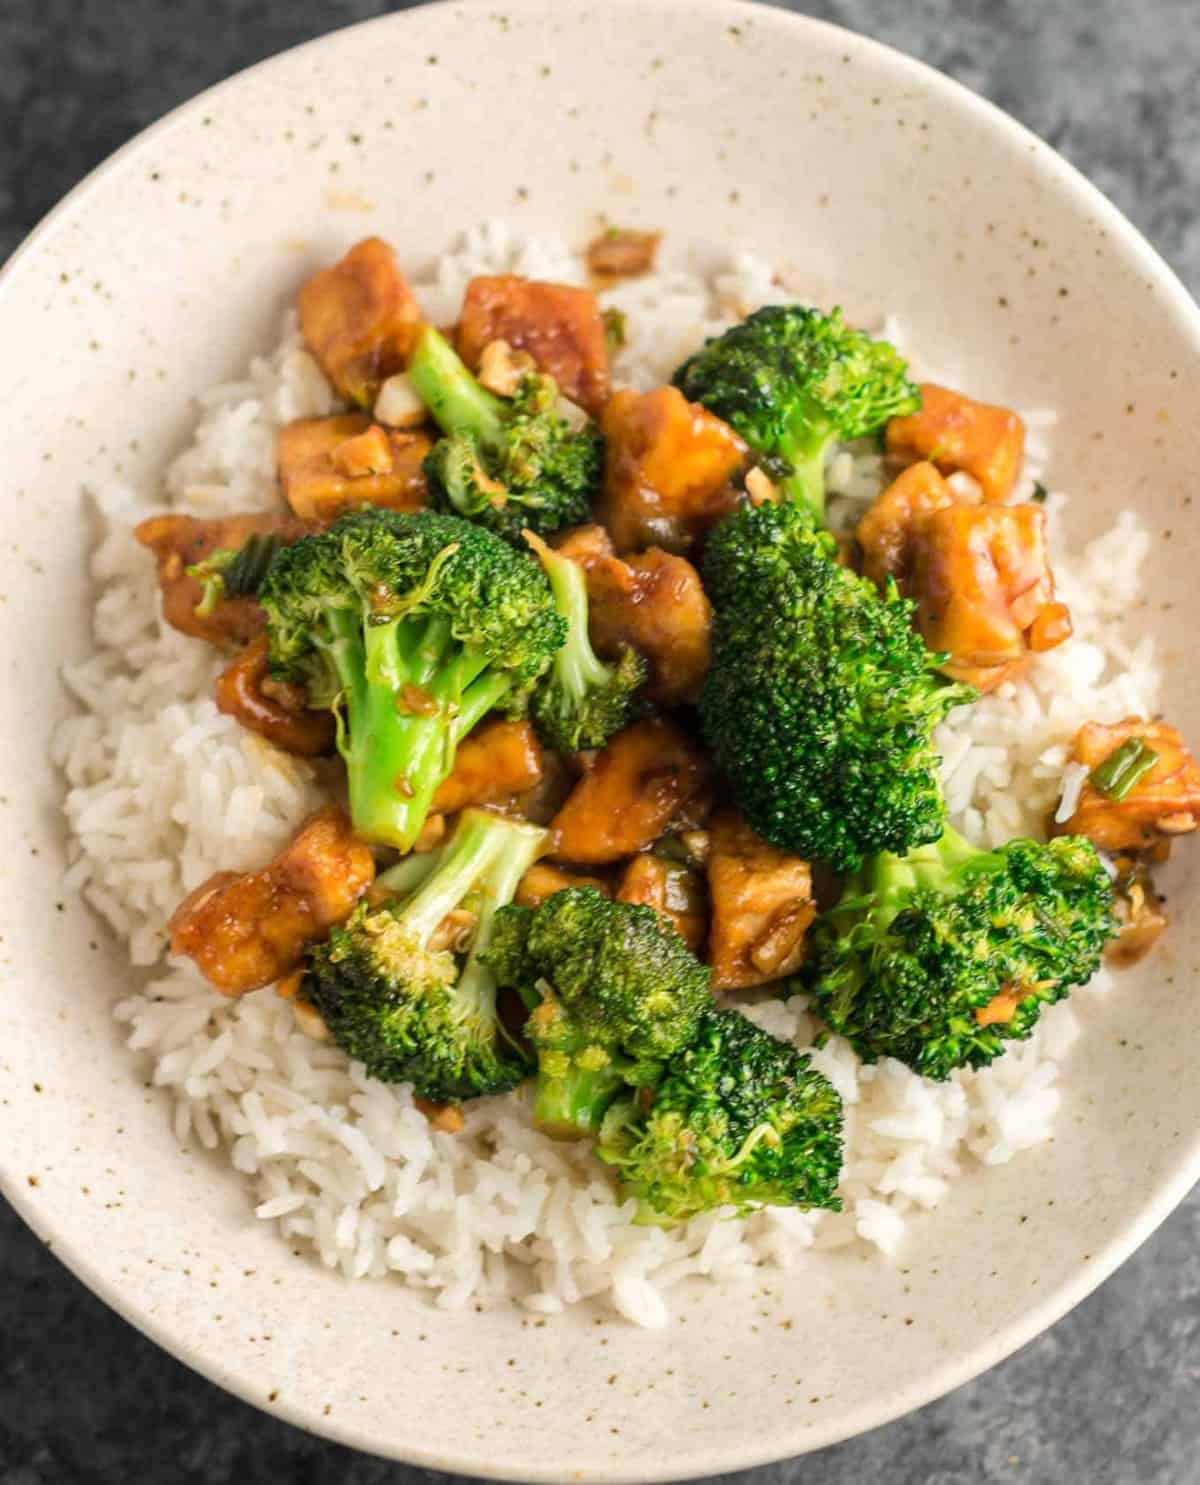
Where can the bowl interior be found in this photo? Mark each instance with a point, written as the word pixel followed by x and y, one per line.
pixel 862 174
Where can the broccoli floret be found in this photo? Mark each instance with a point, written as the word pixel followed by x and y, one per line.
pixel 793 381
pixel 413 1012
pixel 409 628
pixel 612 992
pixel 738 1119
pixel 235 572
pixel 509 463
pixel 942 957
pixel 582 700
pixel 822 699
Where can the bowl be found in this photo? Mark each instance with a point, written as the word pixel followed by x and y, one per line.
pixel 865 173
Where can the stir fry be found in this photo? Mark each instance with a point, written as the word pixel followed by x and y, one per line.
pixel 619 729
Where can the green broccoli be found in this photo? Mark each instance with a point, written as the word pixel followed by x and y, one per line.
pixel 409 628
pixel 821 699
pixel 920 947
pixel 612 991
pixel 410 1010
pixel 793 382
pixel 582 700
pixel 738 1119
pixel 510 464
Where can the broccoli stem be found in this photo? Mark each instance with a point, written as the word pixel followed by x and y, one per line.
pixel 523 844
pixel 396 756
pixel 574 1104
pixel 937 867
pixel 447 388
pixel 577 667
pixel 806 450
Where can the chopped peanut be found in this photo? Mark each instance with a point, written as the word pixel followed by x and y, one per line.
pixel 329 465
pixel 446 1118
pixel 559 325
pixel 495 762
pixel 674 891
pixel 1000 1010
pixel 179 542
pixel 1164 802
pixel 622 252
pixel 761 489
pixel 359 319
pixel 654 602
pixel 543 880
pixel 364 453
pixel 762 905
pixel 954 432
pixel 246 931
pixel 887 533
pixel 398 405
pixel 646 778
pixel 502 370
pixel 273 709
pixel 667 470
pixel 985 591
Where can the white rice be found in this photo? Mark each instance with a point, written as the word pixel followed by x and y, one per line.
pixel 163 790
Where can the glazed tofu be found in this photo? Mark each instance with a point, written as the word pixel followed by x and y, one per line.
pixel 648 777
pixel 620 253
pixel 956 433
pixel 653 601
pixel 673 890
pixel 330 465
pixel 887 533
pixel 761 904
pixel 248 692
pixel 180 542
pixel 359 319
pixel 248 930
pixel 985 591
pixel 559 325
pixel 1163 802
pixel 495 762
pixel 543 880
pixel 667 470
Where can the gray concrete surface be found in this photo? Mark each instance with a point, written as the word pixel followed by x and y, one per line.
pixel 1109 1396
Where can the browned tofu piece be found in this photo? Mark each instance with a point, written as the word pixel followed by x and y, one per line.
pixel 985 591
pixel 559 325
pixel 495 762
pixel 543 880
pixel 674 891
pixel 655 602
pixel 667 470
pixel 180 542
pixel 954 432
pixel 621 252
pixel 275 710
pixel 761 905
pixel 359 319
pixel 648 776
pixel 246 931
pixel 887 533
pixel 1165 801
pixel 329 465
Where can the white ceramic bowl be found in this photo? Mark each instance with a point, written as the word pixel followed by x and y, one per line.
pixel 725 124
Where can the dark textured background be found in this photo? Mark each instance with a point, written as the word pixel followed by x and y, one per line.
pixel 1109 1395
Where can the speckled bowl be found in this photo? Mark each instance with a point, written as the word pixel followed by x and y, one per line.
pixel 725 124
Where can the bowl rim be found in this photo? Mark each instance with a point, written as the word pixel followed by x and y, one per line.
pixel 955 1371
